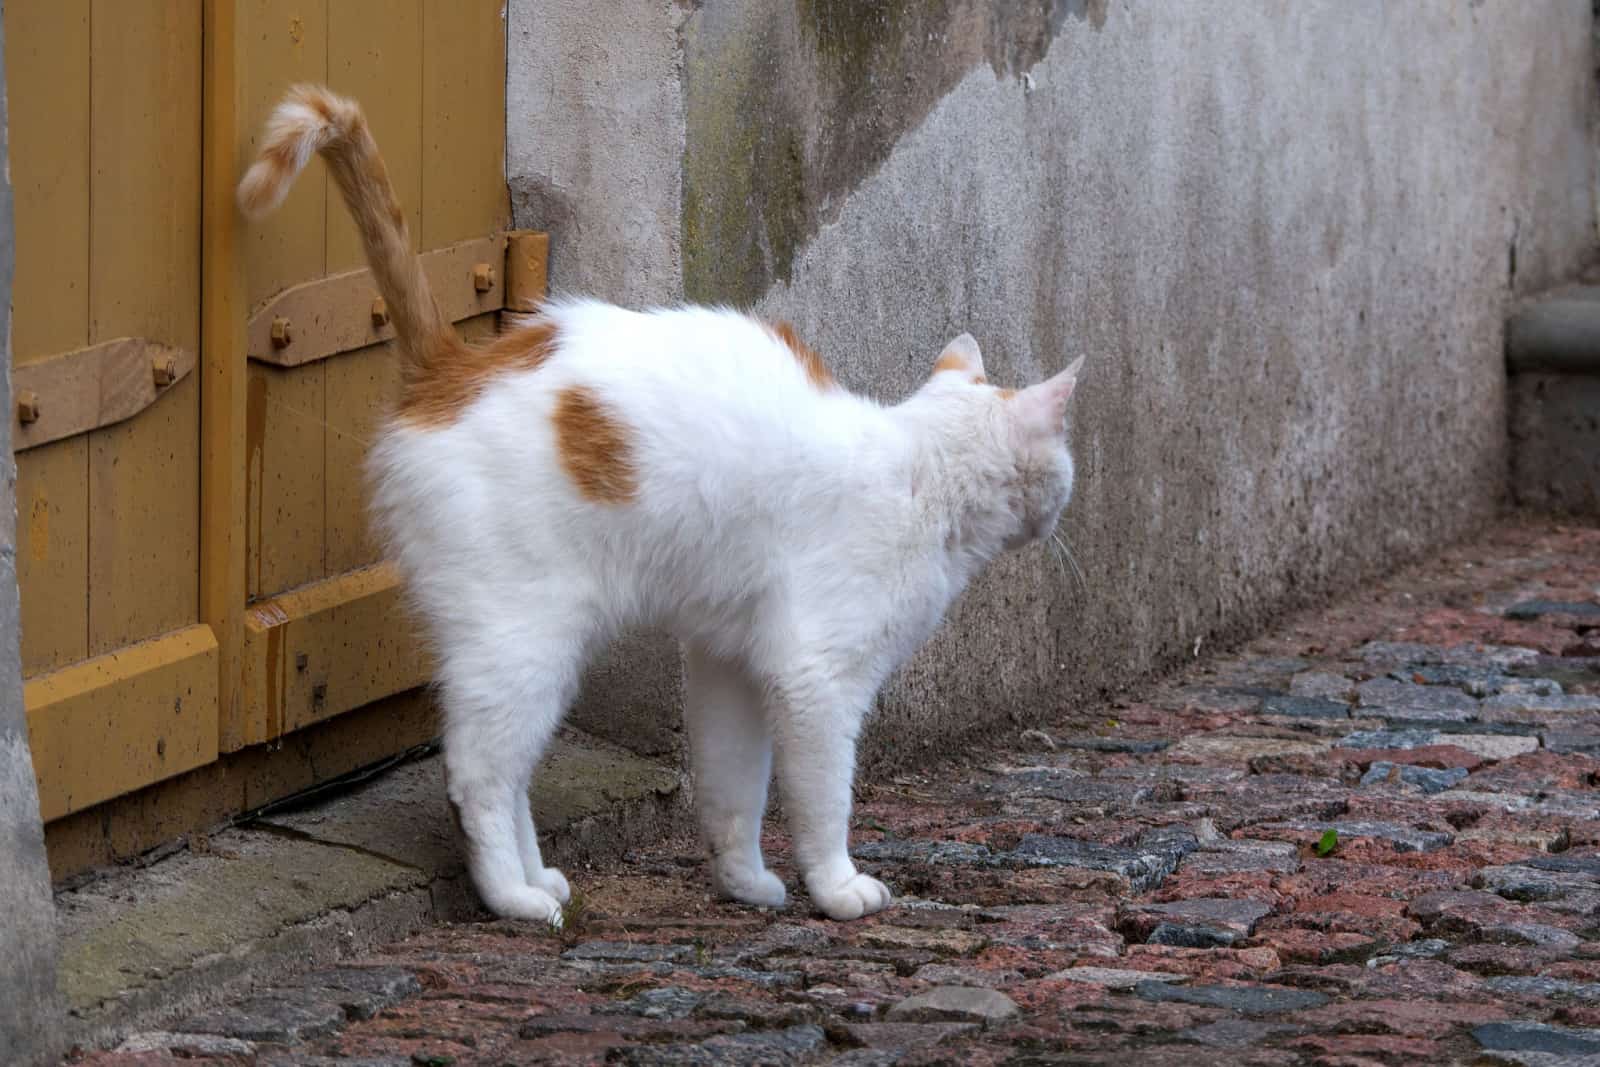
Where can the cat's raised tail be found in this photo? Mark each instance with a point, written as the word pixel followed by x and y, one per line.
pixel 313 120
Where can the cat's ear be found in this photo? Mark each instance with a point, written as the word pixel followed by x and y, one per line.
pixel 962 355
pixel 1044 406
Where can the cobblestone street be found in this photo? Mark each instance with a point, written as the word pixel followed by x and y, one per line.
pixel 1371 836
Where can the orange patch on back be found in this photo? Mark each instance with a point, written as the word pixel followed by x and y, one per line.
pixel 594 447
pixel 817 372
pixel 457 378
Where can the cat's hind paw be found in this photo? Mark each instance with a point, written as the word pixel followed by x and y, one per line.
pixel 526 903
pixel 553 882
pixel 859 895
pixel 757 886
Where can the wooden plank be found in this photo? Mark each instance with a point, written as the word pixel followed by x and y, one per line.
pixel 53 554
pixel 47 80
pixel 285 485
pixel 93 387
pixel 375 56
pixel 327 648
pixel 362 386
pixel 223 371
pixel 527 270
pixel 284 42
pixel 117 722
pixel 126 826
pixel 463 120
pixel 332 315
pixel 144 474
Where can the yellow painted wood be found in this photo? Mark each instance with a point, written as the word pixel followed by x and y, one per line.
pixel 117 722
pixel 527 269
pixel 327 648
pixel 463 120
pixel 126 826
pixel 362 385
pixel 331 315
pixel 479 327
pixel 53 554
pixel 144 474
pixel 284 42
pixel 89 388
pixel 223 370
pixel 47 80
pixel 284 450
pixel 375 56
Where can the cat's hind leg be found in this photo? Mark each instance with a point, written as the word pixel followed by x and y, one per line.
pixel 503 697
pixel 731 749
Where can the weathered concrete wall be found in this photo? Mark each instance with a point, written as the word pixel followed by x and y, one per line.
pixel 1285 235
pixel 28 999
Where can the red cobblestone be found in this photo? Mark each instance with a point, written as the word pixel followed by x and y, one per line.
pixel 1386 951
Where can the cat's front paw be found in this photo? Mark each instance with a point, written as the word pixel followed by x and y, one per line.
pixel 749 885
pixel 553 882
pixel 857 896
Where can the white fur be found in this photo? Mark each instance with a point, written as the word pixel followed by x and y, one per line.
pixel 800 542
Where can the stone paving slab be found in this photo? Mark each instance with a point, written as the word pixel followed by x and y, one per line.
pixel 1149 882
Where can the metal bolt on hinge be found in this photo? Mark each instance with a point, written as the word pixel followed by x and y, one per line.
pixel 282 332
pixel 482 277
pixel 164 369
pixel 301 660
pixel 27 406
pixel 319 696
pixel 380 313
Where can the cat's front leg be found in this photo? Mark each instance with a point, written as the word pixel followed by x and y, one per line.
pixel 816 728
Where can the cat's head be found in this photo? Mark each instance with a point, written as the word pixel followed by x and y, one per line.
pixel 1024 434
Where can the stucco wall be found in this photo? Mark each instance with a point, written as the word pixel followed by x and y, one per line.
pixel 28 1003
pixel 1284 234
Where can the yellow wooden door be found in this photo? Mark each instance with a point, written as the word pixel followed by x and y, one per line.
pixel 195 396
pixel 105 156
pixel 325 632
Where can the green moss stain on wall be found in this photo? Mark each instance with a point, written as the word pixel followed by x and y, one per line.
pixel 789 104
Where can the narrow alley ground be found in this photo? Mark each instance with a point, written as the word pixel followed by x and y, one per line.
pixel 1372 836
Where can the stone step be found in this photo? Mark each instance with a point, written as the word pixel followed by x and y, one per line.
pixel 143 947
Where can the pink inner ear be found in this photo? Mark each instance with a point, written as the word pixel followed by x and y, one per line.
pixel 1045 405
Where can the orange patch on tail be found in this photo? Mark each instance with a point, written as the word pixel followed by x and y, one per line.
pixel 817 372
pixel 595 448
pixel 448 384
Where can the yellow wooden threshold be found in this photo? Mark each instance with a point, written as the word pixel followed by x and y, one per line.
pixel 324 649
pixel 118 722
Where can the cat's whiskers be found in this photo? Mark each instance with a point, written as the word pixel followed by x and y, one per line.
pixel 278 406
pixel 1066 550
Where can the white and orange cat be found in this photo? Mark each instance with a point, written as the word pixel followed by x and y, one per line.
pixel 694 469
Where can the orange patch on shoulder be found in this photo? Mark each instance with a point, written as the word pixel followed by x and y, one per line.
pixel 817 372
pixel 1006 394
pixel 595 448
pixel 455 379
